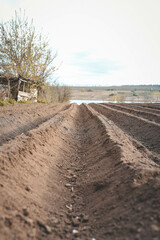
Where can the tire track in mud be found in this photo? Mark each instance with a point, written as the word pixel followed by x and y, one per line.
pixel 143 130
pixel 78 176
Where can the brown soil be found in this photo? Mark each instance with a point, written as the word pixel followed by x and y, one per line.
pixel 79 172
pixel 140 107
pixel 144 113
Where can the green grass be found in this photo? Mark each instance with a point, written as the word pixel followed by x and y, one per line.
pixel 3 103
pixel 23 101
pixel 42 101
pixel 13 101
pixel 8 102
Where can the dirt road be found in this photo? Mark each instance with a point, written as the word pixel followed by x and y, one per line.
pixel 80 172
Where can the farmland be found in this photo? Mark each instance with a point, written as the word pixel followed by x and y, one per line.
pixel 80 172
pixel 131 93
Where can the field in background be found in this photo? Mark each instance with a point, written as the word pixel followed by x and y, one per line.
pixel 149 93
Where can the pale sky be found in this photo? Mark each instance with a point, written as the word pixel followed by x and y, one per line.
pixel 99 42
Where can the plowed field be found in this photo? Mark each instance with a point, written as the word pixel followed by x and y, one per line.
pixel 80 172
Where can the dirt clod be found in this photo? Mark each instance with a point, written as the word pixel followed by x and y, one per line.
pixel 155 227
pixel 25 212
pixel 75 222
pixel 44 227
pixel 68 185
pixel 27 189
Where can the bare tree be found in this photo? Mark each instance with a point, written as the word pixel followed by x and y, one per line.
pixel 62 93
pixel 23 52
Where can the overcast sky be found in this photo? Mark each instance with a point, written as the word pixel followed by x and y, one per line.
pixel 100 42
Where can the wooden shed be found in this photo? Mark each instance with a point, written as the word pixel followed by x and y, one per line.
pixel 18 88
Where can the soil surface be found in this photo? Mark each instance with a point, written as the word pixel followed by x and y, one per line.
pixel 80 172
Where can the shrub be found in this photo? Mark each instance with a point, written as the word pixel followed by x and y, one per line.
pixel 83 90
pixel 42 101
pixel 23 101
pixel 62 94
pixel 12 101
pixel 2 103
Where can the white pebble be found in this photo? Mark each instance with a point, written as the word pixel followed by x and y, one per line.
pixel 74 231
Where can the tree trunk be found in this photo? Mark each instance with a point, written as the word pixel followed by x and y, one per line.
pixel 9 88
pixel 18 87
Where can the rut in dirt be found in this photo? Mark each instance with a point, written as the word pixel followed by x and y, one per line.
pixel 19 120
pixel 139 128
pixel 78 175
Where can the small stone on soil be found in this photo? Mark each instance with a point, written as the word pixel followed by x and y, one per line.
pixel 68 185
pixel 29 221
pixel 73 196
pixel 155 228
pixel 25 212
pixel 74 231
pixel 67 221
pixel 27 188
pixel 45 228
pixel 8 222
pixel 75 222
pixel 84 218
pixel 48 229
pixel 69 207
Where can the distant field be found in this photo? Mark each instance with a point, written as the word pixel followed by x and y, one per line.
pixel 149 93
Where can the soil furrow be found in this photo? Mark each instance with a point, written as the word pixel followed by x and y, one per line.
pixel 155 106
pixel 19 109
pixel 118 174
pixel 143 130
pixel 78 176
pixel 140 107
pixel 33 194
pixel 145 115
pixel 16 124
